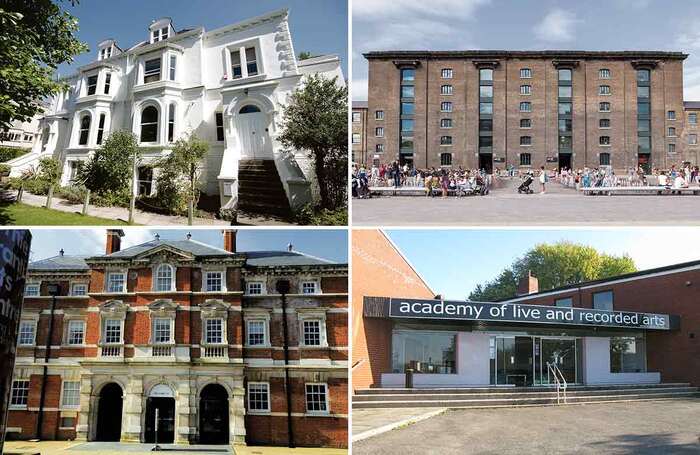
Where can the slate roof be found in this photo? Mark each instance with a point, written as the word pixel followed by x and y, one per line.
pixel 283 258
pixel 359 104
pixel 60 263
pixel 691 104
pixel 191 246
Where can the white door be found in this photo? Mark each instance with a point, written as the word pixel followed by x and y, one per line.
pixel 252 129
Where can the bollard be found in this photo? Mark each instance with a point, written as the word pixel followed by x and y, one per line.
pixel 86 203
pixel 409 378
pixel 49 197
pixel 20 192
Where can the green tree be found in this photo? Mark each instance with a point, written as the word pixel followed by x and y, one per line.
pixel 111 167
pixel 35 37
pixel 303 55
pixel 49 170
pixel 554 265
pixel 316 120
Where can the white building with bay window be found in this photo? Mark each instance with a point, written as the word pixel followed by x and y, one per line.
pixel 227 86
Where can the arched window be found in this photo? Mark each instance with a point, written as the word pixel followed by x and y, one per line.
pixel 249 109
pixel 149 124
pixel 164 278
pixel 84 129
pixel 171 122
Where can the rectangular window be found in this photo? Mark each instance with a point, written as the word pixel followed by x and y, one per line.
pixel 525 159
pixel 486 74
pixel 565 142
pixel 406 125
pixel 525 73
pixel 485 141
pixel 171 122
pixel 525 89
pixel 525 106
pixel 108 81
pixel 151 71
pixel 26 333
pixel 408 91
pixel 316 398
pixel 565 91
pixel 424 351
pixel 92 85
pixel 407 108
pixel 251 61
pixel 447 73
pixel 604 107
pixel 76 332
pixel 643 91
pixel 564 74
pixel 408 74
pixel 309 287
pixel 564 125
pixel 173 66
pixel 406 143
pixel 604 140
pixel 486 91
pixel 446 90
pixel 604 73
pixel 161 331
pixel 258 396
pixel 379 115
pixel 236 70
pixel 445 123
pixel 603 300
pixel 604 123
pixel 445 140
pixel 604 90
pixel 485 108
pixel 256 333
pixel 446 106
pixel 254 288
pixel 214 331
pixel 164 33
pixel 643 144
pixel 71 394
pixel 693 118
pixel 567 302
pixel 445 159
pixel 525 140
pixel 100 129
pixel 31 290
pixel 219 126
pixel 356 117
pixel 379 131
pixel 486 124
pixel 671 149
pixel 379 148
pixel 627 355
pixel 525 123
pixel 113 331
pixel 604 159
pixel 671 115
pixel 692 139
pixel 312 332
pixel 643 125
pixel 115 282
pixel 213 281
pixel 671 132
pixel 356 138
pixel 19 393
pixel 564 108
pixel 643 108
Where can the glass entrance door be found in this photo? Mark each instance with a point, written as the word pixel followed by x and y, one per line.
pixel 514 361
pixel 562 353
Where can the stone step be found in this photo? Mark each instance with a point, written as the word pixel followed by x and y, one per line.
pixel 506 389
pixel 261 196
pixel 516 402
pixel 260 189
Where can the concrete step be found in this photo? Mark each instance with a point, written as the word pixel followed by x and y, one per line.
pixel 260 189
pixel 507 389
pixel 522 401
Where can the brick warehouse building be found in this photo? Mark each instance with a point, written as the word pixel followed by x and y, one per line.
pixel 493 109
pixel 593 336
pixel 191 330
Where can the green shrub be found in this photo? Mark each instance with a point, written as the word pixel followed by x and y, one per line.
pixel 4 170
pixel 74 194
pixel 9 153
pixel 49 170
pixel 111 198
pixel 310 215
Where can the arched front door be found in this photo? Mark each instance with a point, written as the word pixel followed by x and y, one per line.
pixel 252 129
pixel 162 400
pixel 109 413
pixel 213 415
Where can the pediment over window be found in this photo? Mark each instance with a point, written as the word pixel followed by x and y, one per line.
pixel 163 305
pixel 165 253
pixel 114 306
pixel 214 305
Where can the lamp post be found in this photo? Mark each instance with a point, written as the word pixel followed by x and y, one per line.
pixel 53 291
pixel 283 289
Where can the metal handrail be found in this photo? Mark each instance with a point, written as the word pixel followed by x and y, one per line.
pixel 550 369
pixel 559 379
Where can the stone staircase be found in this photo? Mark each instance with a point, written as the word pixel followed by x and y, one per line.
pixel 260 190
pixel 494 397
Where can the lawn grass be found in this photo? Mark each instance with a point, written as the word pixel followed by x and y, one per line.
pixel 28 215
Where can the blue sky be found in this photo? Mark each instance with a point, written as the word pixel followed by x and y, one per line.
pixel 526 25
pixel 317 26
pixel 454 261
pixel 328 244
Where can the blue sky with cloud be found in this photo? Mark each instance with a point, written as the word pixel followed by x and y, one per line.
pixel 669 25
pixel 454 261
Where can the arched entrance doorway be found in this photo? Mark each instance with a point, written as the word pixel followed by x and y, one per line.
pixel 162 400
pixel 109 413
pixel 213 415
pixel 253 133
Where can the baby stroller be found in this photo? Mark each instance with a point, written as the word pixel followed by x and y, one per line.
pixel 481 187
pixel 525 186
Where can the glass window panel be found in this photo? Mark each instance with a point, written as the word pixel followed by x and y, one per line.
pixel 486 125
pixel 423 351
pixel 643 91
pixel 408 74
pixel 643 108
pixel 408 91
pixel 486 74
pixel 565 74
pixel 603 300
pixel 486 108
pixel 643 75
pixel 407 108
pixel 565 108
pixel 406 125
pixel 565 91
pixel 486 91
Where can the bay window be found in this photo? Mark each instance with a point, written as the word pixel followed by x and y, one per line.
pixel 151 70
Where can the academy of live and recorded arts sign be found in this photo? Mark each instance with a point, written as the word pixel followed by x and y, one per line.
pixel 513 312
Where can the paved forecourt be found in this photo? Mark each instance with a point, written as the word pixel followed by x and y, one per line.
pixel 504 206
pixel 646 428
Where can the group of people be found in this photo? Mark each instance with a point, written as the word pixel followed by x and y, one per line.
pixel 676 176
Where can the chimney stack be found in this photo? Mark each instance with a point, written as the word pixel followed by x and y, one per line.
pixel 230 240
pixel 528 284
pixel 114 240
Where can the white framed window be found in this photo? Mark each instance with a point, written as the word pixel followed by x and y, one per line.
pixel 446 73
pixel 219 126
pixel 19 392
pixel 76 332
pixel 214 331
pixel 256 332
pixel 525 123
pixel 116 281
pixel 255 288
pixel 311 332
pixel 164 278
pixel 525 140
pixel 162 330
pixel 251 61
pixel 31 290
pixel 379 131
pixel 78 289
pixel 604 107
pixel 151 70
pixel 693 139
pixel 27 333
pixel 446 90
pixel 309 287
pixel 92 84
pixel 317 398
pixel 356 117
pixel 379 148
pixel 671 115
pixel 445 140
pixel 604 90
pixel 604 73
pixel 445 123
pixel 525 90
pixel 214 281
pixel 525 73
pixel 525 106
pixel 671 148
pixel 112 333
pixel 100 129
pixel 236 68
pixel 108 82
pixel 604 140
pixel 259 397
pixel 446 106
pixel 70 394
pixel 671 131
pixel 379 115
pixel 173 67
pixel 693 118
pixel 84 131
pixel 356 138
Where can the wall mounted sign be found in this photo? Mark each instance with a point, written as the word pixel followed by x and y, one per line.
pixel 515 312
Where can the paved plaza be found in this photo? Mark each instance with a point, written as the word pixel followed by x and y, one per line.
pixel 504 206
pixel 641 428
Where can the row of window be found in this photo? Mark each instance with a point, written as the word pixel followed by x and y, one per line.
pixel 316 396
pixel 15 137
pixel 525 160
pixel 525 73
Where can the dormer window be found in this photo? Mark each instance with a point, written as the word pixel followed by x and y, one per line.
pixel 92 85
pixel 105 52
pixel 159 34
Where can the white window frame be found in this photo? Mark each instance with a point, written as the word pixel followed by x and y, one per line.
pixel 27 323
pixel 316 283
pixel 692 136
pixel 152 73
pixel 240 47
pixel 104 331
pixel 379 148
pixel 13 405
pixel 446 106
pixel 313 316
pixel 267 390
pixel 356 116
pixel 69 331
pixel 255 282
pixel 156 278
pixel 108 281
pixel 525 73
pixel 356 138
pixel 604 90
pixel 172 67
pixel 604 73
pixel 205 331
pixel 526 89
pixel 74 285
pixel 379 131
pixel 446 90
pixel 36 286
pixel 87 83
pixel 205 280
pixel 327 399
pixel 63 394
pixel 446 73
pixel 171 326
pixel 266 331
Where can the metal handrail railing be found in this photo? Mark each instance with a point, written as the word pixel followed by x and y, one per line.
pixel 559 380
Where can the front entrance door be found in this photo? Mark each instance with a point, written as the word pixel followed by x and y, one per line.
pixel 564 161
pixel 109 413
pixel 562 353
pixel 514 361
pixel 486 162
pixel 166 420
pixel 213 415
pixel 253 133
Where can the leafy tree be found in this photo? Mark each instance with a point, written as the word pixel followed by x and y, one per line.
pixel 49 170
pixel 316 120
pixel 35 37
pixel 111 168
pixel 303 55
pixel 554 265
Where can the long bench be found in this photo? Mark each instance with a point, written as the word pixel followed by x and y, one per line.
pixel 658 190
pixel 414 190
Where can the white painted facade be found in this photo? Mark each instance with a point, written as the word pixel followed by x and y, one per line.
pixel 20 134
pixel 240 75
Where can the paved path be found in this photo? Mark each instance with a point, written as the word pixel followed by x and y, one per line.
pixel 367 423
pixel 641 428
pixel 114 448
pixel 141 217
pixel 504 206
